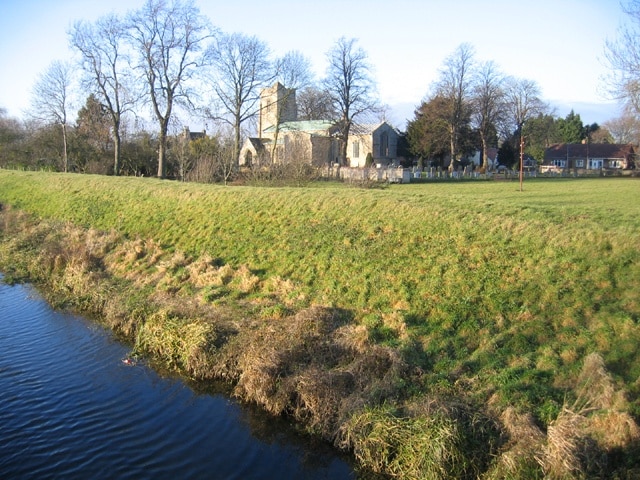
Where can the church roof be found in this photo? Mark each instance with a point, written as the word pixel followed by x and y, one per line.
pixel 367 128
pixel 256 143
pixel 308 126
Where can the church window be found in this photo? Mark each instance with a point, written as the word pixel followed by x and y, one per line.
pixel 384 144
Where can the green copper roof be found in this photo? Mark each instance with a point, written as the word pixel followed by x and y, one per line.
pixel 303 126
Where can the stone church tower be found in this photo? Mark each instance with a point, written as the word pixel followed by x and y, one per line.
pixel 277 105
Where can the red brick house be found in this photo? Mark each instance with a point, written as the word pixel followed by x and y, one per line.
pixel 588 156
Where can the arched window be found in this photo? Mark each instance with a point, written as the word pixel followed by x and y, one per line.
pixel 384 144
pixel 248 158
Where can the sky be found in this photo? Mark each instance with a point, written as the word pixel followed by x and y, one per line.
pixel 559 44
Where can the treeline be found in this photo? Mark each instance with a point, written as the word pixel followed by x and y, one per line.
pixel 474 106
pixel 199 157
pixel 142 77
pixel 166 64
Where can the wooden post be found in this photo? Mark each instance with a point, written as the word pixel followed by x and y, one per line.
pixel 521 160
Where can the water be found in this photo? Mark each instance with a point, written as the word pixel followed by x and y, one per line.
pixel 70 408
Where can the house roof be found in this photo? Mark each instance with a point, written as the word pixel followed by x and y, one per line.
pixel 592 150
pixel 256 143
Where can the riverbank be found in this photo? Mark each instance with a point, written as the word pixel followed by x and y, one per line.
pixel 435 332
pixel 71 409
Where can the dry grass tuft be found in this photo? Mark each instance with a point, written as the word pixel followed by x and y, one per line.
pixel 561 457
pixel 577 441
pixel 614 430
pixel 203 272
pixel 595 387
pixel 181 344
pixel 136 260
pixel 426 441
pixel 519 456
pixel 319 397
pixel 245 280
pixel 608 421
pixel 283 290
pixel 594 424
pixel 305 365
pixel 395 321
pixel 279 349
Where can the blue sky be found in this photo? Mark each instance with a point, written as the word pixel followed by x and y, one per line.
pixel 557 43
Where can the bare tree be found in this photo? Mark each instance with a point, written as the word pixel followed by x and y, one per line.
pixel 624 129
pixel 241 68
pixel 169 39
pixel 226 163
pixel 314 104
pixel 293 70
pixel 522 103
pixel 488 101
pixel 350 86
pixel 102 49
pixel 12 133
pixel 454 85
pixel 51 101
pixel 623 56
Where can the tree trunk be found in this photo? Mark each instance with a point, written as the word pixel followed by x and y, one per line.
pixel 236 139
pixel 116 154
pixel 452 146
pixel 117 141
pixel 485 161
pixel 345 140
pixel 343 152
pixel 65 157
pixel 162 154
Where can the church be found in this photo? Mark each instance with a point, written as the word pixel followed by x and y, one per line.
pixel 282 138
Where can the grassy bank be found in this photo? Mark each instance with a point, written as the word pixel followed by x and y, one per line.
pixel 449 329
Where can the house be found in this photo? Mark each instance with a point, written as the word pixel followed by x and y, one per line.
pixel 282 138
pixel 476 160
pixel 588 156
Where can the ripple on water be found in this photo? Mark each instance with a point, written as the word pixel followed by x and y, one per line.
pixel 69 408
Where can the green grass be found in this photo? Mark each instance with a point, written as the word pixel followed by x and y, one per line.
pixel 486 290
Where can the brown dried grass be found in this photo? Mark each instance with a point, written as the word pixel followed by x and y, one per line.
pixel 596 422
pixel 561 457
pixel 520 455
pixel 577 442
pixel 305 366
pixel 203 272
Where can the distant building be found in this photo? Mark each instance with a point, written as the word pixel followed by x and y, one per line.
pixel 492 158
pixel 189 135
pixel 283 138
pixel 588 156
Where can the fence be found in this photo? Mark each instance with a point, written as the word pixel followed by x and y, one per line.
pixel 409 175
pixel 388 174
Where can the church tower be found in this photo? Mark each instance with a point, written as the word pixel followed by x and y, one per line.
pixel 277 105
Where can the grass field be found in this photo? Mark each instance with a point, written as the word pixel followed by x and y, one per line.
pixel 487 293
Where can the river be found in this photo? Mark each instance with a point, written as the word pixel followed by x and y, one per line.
pixel 70 408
